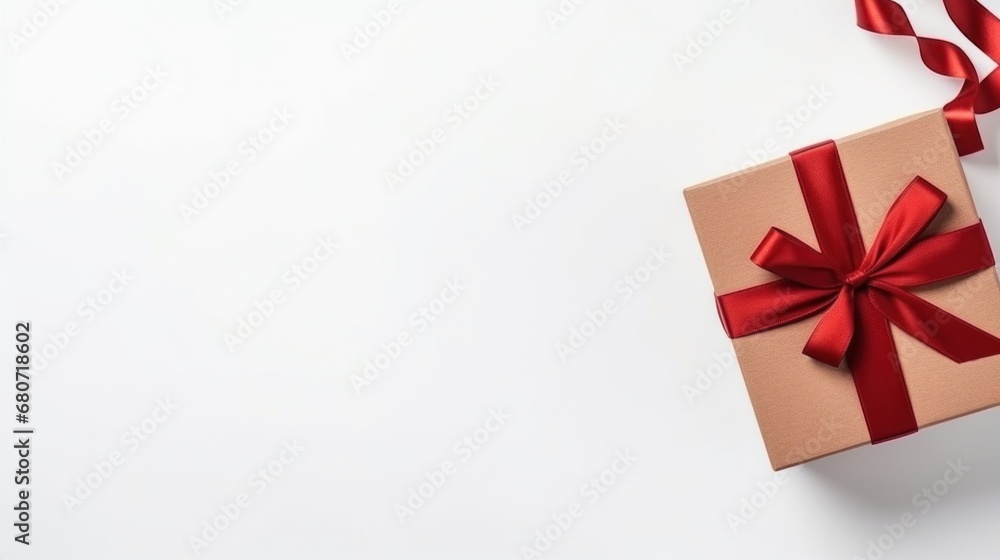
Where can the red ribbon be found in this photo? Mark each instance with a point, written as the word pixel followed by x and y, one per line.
pixel 981 27
pixel 861 292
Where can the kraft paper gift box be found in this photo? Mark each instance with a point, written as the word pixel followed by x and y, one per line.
pixel 805 408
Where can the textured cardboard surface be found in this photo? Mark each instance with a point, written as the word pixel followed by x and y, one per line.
pixel 806 409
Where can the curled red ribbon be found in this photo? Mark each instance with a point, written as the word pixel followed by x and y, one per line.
pixel 861 292
pixel 981 27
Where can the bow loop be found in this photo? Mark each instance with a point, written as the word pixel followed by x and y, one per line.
pixel 788 257
pixel 907 218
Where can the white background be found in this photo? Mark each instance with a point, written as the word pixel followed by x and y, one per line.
pixel 495 346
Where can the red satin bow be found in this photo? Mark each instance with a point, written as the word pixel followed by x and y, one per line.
pixel 861 292
pixel 976 23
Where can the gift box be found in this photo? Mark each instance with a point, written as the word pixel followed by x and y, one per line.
pixel 858 286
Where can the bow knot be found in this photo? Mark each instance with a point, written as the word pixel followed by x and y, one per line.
pixel 856 279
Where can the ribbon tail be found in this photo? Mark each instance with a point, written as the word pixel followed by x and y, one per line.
pixel 830 339
pixel 947 334
pixel 878 376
